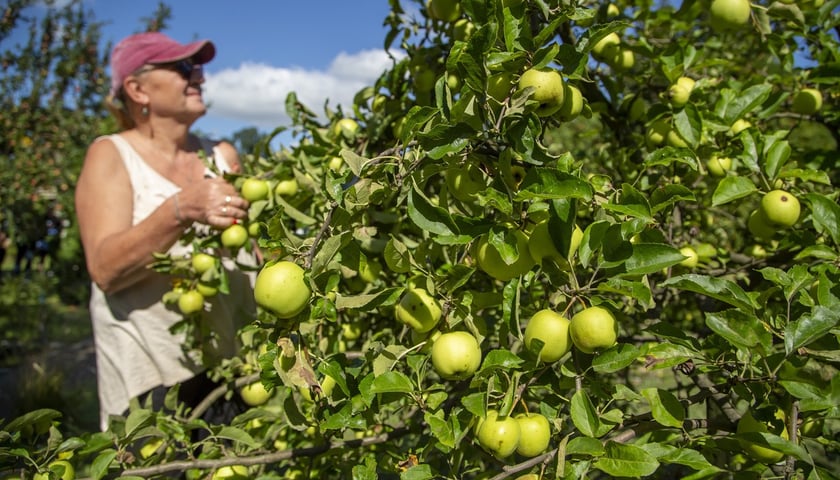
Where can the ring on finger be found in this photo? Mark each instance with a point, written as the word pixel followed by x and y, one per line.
pixel 224 210
pixel 228 199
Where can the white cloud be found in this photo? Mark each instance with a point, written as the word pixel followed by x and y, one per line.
pixel 255 93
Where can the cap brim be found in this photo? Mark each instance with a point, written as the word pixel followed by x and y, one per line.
pixel 200 52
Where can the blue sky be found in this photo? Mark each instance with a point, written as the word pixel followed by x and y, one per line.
pixel 266 48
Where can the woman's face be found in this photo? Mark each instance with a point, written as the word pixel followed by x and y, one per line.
pixel 173 90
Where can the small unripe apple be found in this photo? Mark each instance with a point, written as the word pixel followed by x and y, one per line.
pixel 499 435
pixel 535 434
pixel 691 259
pixel 729 14
pixel 807 101
pixel 254 189
pixel 548 88
pixel 552 329
pixel 780 208
pixel 456 355
pixel 593 329
pixel 718 166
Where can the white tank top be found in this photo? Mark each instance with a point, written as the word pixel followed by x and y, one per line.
pixel 135 349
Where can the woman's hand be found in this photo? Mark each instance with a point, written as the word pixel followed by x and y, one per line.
pixel 214 202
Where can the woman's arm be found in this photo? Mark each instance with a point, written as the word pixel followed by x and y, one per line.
pixel 117 252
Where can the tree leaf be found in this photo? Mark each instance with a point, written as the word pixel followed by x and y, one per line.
pixel 585 446
pixel 238 435
pixel 732 188
pixel 584 415
pixel 718 288
pixel 549 183
pixel 664 407
pixel 428 216
pixel 616 358
pixel 392 382
pixel 739 328
pixel 809 328
pixel 826 215
pixel 621 460
pixel 651 258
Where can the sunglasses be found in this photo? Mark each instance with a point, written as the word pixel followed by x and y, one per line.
pixel 184 68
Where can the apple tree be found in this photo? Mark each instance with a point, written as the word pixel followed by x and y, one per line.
pixel 556 239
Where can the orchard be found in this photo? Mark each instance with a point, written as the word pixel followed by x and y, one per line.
pixel 554 240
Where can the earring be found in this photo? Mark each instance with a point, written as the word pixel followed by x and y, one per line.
pixel 145 111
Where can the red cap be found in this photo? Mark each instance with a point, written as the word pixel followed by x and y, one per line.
pixel 153 48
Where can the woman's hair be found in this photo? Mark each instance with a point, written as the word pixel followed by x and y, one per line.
pixel 118 106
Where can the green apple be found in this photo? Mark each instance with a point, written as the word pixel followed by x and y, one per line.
pixel 499 435
pixel 491 262
pixel 718 166
pixel 346 128
pixel 424 79
pixel 254 394
pixel 286 187
pixel 281 288
pixel 418 310
pixel 465 181
pixel 674 139
pixel 807 101
pixel 335 163
pixel 463 29
pixel 739 126
pixel 657 132
pixel 541 245
pixel 190 302
pixel 61 469
pixel 254 189
pixel 206 290
pixel 780 208
pixel 499 84
pixel 444 10
pixel 231 472
pixel 572 103
pixel 760 453
pixel 150 447
pixel 351 330
pixel 729 14
pixel 456 355
pixel 593 329
pixel 607 47
pixel 254 229
pixel 552 329
pixel 234 236
pixel 623 60
pixel 535 434
pixel 548 87
pixel 203 262
pixel 678 95
pixel 760 226
pixel 691 257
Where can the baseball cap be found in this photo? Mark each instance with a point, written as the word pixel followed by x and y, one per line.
pixel 154 48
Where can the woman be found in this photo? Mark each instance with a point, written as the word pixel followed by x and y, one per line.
pixel 138 192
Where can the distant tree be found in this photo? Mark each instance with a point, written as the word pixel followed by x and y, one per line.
pixel 246 139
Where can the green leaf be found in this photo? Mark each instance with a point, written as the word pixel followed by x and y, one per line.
pixel 688 457
pixel 497 359
pixel 428 216
pixel 440 428
pixel 651 258
pixel 101 464
pixel 743 102
pixel 137 420
pixel 623 460
pixel 776 157
pixel 548 184
pixel 825 214
pixel 739 328
pixel 665 196
pixel 718 288
pixel 664 407
pixel 585 446
pixel 809 328
pixel 616 358
pixel 238 435
pixel 584 415
pixel 392 382
pixel 383 298
pixel 732 188
pixel 637 290
pixel 418 472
